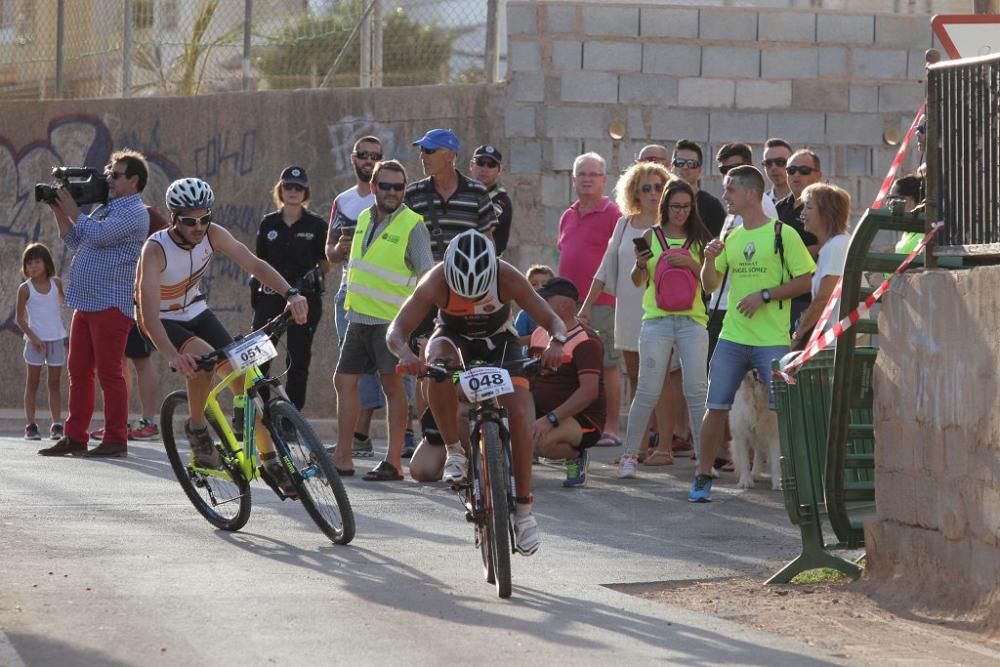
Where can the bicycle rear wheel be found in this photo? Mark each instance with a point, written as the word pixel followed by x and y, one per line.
pixel 497 505
pixel 316 479
pixel 221 496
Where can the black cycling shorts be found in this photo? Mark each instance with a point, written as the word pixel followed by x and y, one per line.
pixel 137 346
pixel 494 351
pixel 205 326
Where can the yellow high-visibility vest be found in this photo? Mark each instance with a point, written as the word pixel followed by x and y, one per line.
pixel 378 280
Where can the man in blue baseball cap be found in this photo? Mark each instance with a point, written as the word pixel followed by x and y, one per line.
pixel 450 203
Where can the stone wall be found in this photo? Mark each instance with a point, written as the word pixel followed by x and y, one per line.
pixel 936 541
pixel 239 143
pixel 829 79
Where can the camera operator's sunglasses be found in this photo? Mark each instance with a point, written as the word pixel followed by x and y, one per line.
pixel 189 221
pixel 115 175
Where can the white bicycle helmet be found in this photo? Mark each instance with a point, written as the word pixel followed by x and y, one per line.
pixel 470 264
pixel 188 194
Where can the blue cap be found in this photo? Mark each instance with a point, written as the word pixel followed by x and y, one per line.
pixel 438 139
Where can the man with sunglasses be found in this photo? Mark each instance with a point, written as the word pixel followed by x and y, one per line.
pixel 803 169
pixel 776 154
pixel 99 290
pixel 390 250
pixel 486 167
pixel 686 164
pixel 173 312
pixel 348 205
pixel 292 240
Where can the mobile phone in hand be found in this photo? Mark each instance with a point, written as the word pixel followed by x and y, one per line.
pixel 641 244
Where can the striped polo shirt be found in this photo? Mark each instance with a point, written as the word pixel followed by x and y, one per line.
pixel 469 208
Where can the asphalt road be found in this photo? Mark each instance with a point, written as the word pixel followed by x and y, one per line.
pixel 106 563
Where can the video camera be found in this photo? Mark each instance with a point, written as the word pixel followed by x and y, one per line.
pixel 87 185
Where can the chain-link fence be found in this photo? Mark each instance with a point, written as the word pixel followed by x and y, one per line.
pixel 99 48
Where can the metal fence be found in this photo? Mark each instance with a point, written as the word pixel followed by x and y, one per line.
pixel 963 158
pixel 100 48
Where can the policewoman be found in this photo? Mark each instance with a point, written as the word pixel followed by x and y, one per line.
pixel 292 239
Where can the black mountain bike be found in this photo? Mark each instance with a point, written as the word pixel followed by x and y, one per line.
pixel 488 493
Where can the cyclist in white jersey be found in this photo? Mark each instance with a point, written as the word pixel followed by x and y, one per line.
pixel 172 311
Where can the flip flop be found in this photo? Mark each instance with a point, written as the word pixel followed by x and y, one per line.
pixel 608 440
pixel 383 472
pixel 660 458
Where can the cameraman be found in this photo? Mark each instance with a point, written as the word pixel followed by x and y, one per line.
pixel 100 291
pixel 293 241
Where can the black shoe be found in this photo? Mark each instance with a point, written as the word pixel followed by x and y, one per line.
pixel 108 450
pixel 205 453
pixel 279 475
pixel 65 446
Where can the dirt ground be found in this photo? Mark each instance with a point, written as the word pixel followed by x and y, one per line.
pixel 839 617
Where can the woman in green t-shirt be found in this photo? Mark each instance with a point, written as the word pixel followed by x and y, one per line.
pixel 679 227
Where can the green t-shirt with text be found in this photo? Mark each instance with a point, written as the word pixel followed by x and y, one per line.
pixel 753 262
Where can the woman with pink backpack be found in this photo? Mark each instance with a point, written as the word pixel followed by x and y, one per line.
pixel 668 261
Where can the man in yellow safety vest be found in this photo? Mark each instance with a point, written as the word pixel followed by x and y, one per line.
pixel 389 251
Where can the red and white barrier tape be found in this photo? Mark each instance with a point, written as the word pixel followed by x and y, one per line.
pixel 821 339
pixel 897 161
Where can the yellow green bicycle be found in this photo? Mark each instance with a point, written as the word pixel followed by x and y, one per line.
pixel 222 494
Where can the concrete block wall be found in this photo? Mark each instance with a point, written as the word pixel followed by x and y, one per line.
pixel 936 540
pixel 832 78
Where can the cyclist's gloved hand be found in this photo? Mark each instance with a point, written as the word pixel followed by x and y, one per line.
pixel 410 364
pixel 552 356
pixel 299 307
pixel 184 363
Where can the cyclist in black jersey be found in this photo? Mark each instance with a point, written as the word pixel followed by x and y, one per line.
pixel 474 290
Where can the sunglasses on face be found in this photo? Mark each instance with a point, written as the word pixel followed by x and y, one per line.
pixel 294 187
pixel 690 164
pixel 489 164
pixel 368 155
pixel 805 171
pixel 650 187
pixel 394 187
pixel 428 151
pixel 190 221
pixel 775 162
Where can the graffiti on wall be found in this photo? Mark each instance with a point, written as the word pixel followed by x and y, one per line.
pixel 229 159
pixel 345 131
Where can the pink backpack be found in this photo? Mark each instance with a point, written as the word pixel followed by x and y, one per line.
pixel 676 287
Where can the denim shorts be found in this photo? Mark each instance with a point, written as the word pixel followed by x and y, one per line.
pixel 730 362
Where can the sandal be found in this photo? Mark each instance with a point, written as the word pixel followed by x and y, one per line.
pixel 608 440
pixel 682 446
pixel 660 457
pixel 383 472
pixel 725 465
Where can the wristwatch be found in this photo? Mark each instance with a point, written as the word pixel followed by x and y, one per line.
pixel 560 338
pixel 766 295
pixel 551 416
pixel 292 291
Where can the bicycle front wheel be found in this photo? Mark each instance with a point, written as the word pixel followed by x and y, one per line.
pixel 220 495
pixel 497 505
pixel 316 479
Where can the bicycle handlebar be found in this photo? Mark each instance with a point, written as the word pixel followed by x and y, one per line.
pixel 208 361
pixel 439 372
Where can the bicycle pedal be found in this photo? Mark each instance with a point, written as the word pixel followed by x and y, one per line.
pixel 469 517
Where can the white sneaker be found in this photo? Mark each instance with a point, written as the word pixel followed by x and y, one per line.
pixel 455 467
pixel 626 466
pixel 526 536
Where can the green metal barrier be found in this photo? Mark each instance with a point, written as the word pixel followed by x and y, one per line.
pixel 803 423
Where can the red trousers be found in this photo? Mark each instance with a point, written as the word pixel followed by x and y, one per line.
pixel 97 343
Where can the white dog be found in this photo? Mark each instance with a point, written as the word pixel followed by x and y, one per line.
pixel 754 426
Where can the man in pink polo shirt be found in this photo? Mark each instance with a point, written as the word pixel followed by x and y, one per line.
pixel 584 231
